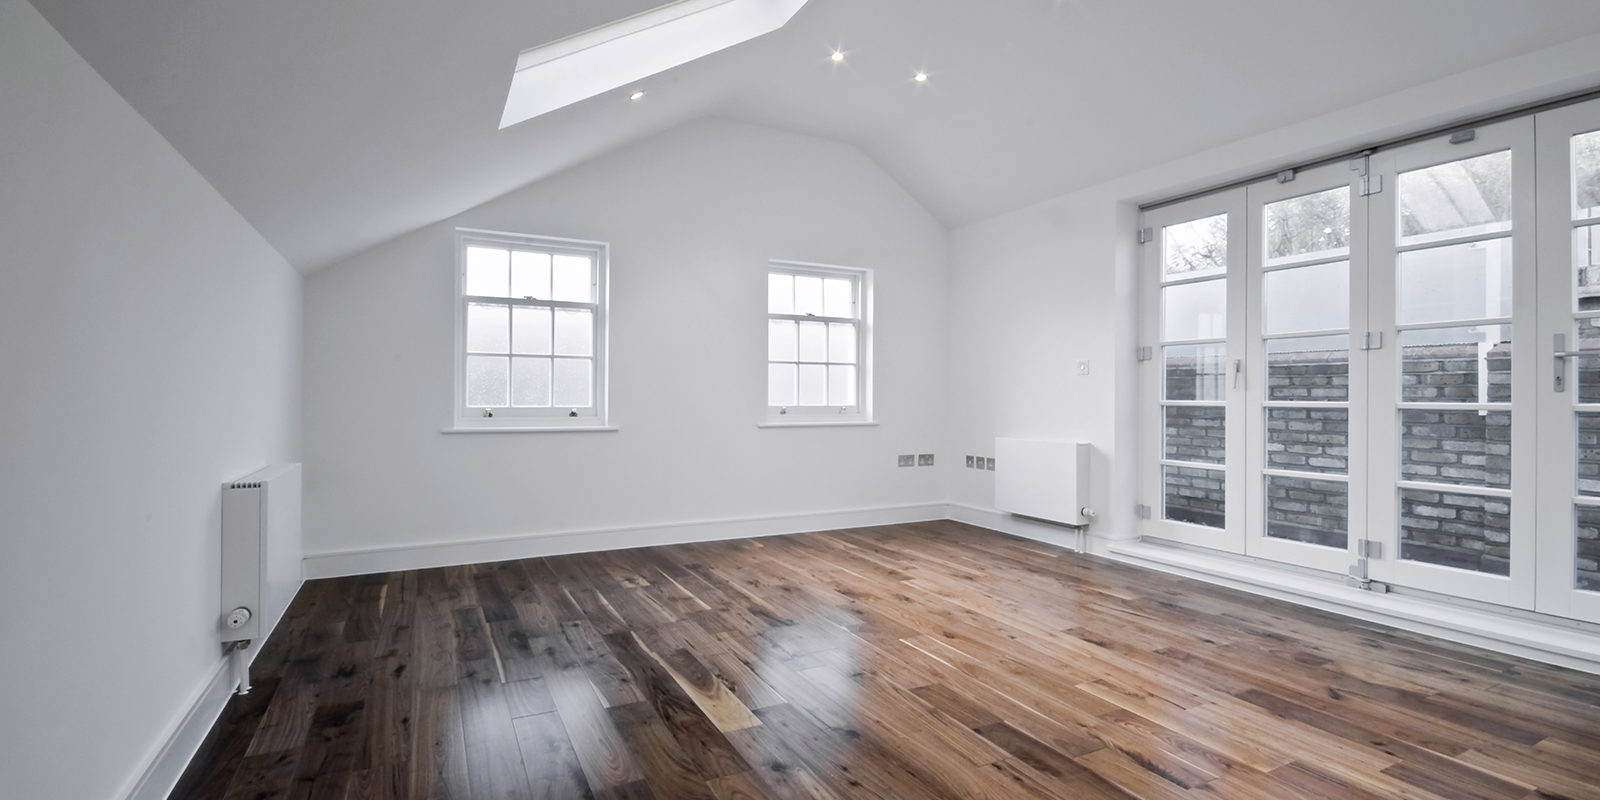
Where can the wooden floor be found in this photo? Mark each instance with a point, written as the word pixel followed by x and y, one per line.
pixel 913 661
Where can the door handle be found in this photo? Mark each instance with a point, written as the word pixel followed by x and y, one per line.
pixel 1561 355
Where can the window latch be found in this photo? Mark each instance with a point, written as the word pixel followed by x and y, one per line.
pixel 573 413
pixel 488 413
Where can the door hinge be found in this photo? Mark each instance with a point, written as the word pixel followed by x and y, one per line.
pixel 1369 548
pixel 1462 137
pixel 1372 340
pixel 1286 176
pixel 1369 184
pixel 1146 234
pixel 1142 510
pixel 1145 353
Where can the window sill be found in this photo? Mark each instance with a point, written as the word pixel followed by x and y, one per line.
pixel 821 423
pixel 529 429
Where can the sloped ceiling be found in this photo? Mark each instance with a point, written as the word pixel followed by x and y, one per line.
pixel 333 125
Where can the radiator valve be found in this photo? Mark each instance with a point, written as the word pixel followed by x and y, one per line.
pixel 237 618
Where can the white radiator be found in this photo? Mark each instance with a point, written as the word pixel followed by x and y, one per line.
pixel 261 552
pixel 1044 479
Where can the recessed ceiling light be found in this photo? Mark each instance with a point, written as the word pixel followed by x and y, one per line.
pixel 838 55
pixel 921 77
pixel 609 57
pixel 636 96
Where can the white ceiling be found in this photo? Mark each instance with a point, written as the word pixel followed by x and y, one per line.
pixel 333 125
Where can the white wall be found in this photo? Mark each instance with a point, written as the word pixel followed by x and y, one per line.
pixel 692 217
pixel 1036 290
pixel 149 348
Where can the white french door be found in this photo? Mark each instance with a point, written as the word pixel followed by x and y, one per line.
pixel 1193 379
pixel 1451 395
pixel 1390 366
pixel 1305 443
pixel 1567 356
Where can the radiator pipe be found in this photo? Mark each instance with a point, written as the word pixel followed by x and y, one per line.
pixel 239 666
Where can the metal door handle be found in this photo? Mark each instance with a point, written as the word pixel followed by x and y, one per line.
pixel 1562 354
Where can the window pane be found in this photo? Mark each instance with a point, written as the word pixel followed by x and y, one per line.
pixel 574 385
pixel 1466 448
pixel 813 385
pixel 1308 510
pixel 486 381
pixel 488 328
pixel 1309 368
pixel 841 385
pixel 807 295
pixel 781 382
pixel 1195 248
pixel 1194 311
pixel 530 275
pixel 1306 299
pixel 1195 371
pixel 530 330
pixel 838 298
pixel 1461 281
pixel 1195 433
pixel 1588 365
pixel 1456 530
pixel 1588 535
pixel 780 294
pixel 1586 263
pixel 487 269
pixel 1456 365
pixel 842 343
pixel 530 382
pixel 782 340
pixel 1589 455
pixel 572 279
pixel 574 332
pixel 1309 439
pixel 1586 174
pixel 1313 223
pixel 813 341
pixel 1460 197
pixel 1193 495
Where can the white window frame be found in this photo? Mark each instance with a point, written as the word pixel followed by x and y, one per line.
pixel 861 280
pixel 512 418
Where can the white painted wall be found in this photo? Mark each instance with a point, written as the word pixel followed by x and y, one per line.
pixel 692 217
pixel 149 348
pixel 1036 290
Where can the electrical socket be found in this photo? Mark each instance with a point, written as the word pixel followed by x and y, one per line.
pixel 969 461
pixel 925 460
pixel 908 461
pixel 988 464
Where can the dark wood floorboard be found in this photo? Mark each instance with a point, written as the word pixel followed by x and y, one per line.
pixel 933 660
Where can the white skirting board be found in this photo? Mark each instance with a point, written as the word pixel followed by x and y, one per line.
pixel 995 520
pixel 167 763
pixel 478 551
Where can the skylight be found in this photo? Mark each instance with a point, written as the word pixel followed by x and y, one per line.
pixel 583 65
